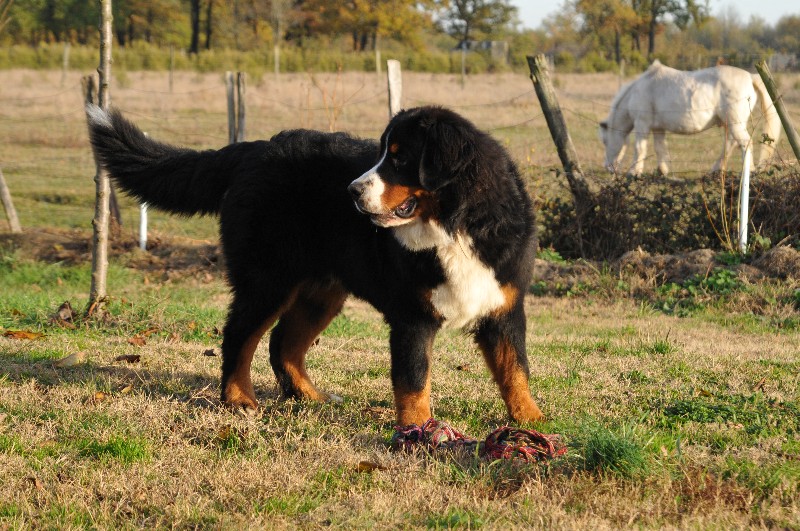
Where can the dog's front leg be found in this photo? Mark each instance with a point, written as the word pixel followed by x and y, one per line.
pixel 411 347
pixel 501 338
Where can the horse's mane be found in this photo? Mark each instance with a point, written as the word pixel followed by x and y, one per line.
pixel 626 88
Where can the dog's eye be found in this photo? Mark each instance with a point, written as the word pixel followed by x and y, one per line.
pixel 399 162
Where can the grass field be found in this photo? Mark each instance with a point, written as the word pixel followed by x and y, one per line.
pixel 680 407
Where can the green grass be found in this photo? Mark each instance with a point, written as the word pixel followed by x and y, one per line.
pixel 122 449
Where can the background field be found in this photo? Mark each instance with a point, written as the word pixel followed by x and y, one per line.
pixel 680 400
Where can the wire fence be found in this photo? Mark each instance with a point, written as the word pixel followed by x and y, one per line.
pixel 45 149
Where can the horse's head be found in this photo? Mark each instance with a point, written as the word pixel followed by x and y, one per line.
pixel 614 142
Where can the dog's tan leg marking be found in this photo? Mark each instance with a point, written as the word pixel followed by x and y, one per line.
pixel 311 313
pixel 512 381
pixel 413 407
pixel 239 387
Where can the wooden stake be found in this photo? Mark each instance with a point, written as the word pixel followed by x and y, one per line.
pixel 395 80
pixel 558 130
pixel 558 127
pixel 241 78
pixel 8 205
pixel 98 293
pixel 231 107
pixel 777 100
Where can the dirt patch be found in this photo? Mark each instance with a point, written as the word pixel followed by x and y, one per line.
pixel 74 246
pixel 168 253
pixel 782 263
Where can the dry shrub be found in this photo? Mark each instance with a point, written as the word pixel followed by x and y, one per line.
pixel 664 215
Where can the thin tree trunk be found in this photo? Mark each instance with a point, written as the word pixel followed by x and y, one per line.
pixel 209 26
pixel 194 9
pixel 97 293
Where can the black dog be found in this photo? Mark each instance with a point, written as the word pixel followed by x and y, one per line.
pixel 441 234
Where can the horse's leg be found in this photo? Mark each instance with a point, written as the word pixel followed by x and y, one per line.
pixel 660 145
pixel 728 144
pixel 742 138
pixel 639 151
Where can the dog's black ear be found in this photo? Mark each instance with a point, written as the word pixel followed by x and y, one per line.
pixel 448 151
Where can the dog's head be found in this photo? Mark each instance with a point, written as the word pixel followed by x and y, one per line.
pixel 423 150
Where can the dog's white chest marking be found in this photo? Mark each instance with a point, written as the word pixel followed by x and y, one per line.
pixel 470 290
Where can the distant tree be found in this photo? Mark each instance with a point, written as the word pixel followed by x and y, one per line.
pixel 787 32
pixel 194 18
pixel 5 17
pixel 608 19
pixel 366 20
pixel 466 20
pixel 652 14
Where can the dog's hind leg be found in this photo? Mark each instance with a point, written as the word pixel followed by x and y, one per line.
pixel 502 340
pixel 312 310
pixel 249 317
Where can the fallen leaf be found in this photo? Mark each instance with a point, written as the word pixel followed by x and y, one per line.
pixel 16 313
pixel 99 396
pixel 149 332
pixel 129 358
pixel 22 334
pixel 369 466
pixel 173 337
pixel 65 312
pixel 191 325
pixel 137 341
pixel 210 352
pixel 760 385
pixel 127 389
pixel 465 367
pixel 71 360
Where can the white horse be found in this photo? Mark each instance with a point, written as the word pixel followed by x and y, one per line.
pixel 664 99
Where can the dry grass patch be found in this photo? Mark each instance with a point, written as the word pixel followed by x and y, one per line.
pixel 109 444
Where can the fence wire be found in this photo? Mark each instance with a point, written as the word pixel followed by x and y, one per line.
pixel 45 145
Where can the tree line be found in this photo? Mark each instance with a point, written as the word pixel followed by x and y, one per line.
pixel 581 35
pixel 249 24
pixel 598 34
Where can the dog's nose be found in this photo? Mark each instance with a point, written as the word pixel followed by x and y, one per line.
pixel 356 189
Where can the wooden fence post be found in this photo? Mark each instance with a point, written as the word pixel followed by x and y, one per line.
pixel 777 100
pixel 395 80
pixel 171 66
pixel 231 107
pixel 241 77
pixel 558 130
pixel 8 205
pixel 558 127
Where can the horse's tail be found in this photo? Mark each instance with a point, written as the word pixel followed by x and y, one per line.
pixel 772 123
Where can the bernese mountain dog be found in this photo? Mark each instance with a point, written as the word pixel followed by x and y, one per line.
pixel 432 226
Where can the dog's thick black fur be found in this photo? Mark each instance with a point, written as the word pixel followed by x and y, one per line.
pixel 441 234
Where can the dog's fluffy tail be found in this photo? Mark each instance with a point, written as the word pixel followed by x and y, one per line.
pixel 174 179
